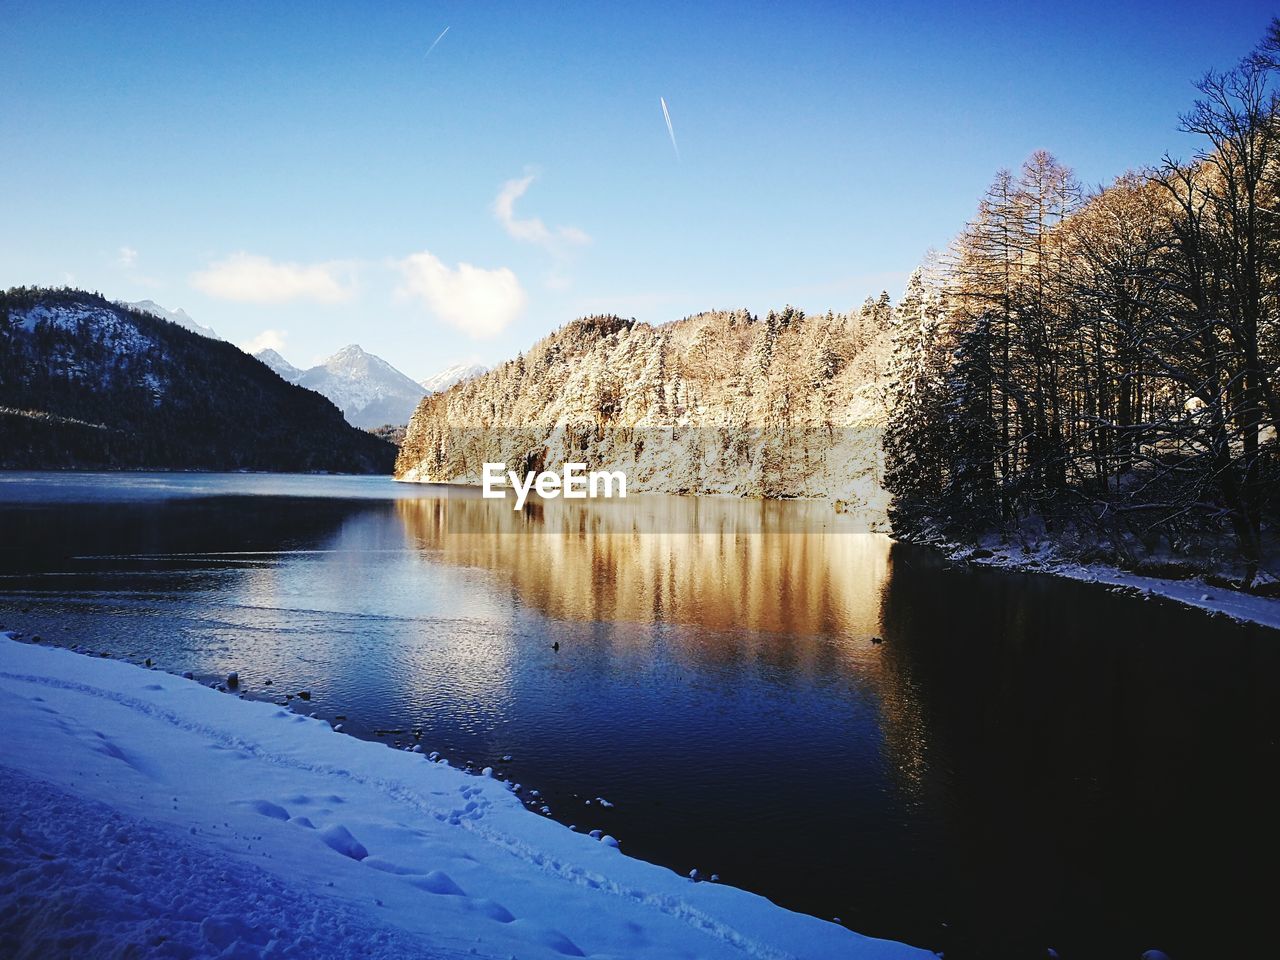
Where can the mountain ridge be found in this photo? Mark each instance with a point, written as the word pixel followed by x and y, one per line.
pixel 282 367
pixel 450 375
pixel 179 316
pixel 368 390
pixel 85 382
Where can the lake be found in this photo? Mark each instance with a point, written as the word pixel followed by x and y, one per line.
pixel 969 760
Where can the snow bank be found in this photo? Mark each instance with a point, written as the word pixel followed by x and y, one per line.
pixel 1192 592
pixel 147 810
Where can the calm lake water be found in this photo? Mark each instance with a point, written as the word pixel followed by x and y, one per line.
pixel 1023 762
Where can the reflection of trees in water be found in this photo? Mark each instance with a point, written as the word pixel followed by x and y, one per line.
pixel 752 580
pixel 903 716
pixel 1085 740
pixel 54 536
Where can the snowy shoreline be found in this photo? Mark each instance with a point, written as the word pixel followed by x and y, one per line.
pixel 1190 592
pixel 177 816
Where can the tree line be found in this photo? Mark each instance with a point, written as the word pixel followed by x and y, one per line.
pixel 1102 366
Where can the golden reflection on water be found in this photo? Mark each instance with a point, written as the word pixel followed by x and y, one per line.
pixel 721 564
pixel 787 584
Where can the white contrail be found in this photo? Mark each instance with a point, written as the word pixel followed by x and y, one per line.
pixel 670 131
pixel 435 41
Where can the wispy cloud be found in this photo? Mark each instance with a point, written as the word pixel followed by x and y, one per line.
pixel 248 278
pixel 266 340
pixel 532 230
pixel 479 302
pixel 126 257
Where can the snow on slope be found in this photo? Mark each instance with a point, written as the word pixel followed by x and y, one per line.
pixel 1191 592
pixel 110 330
pixel 446 378
pixel 153 810
pixel 179 316
pixel 720 403
pixel 286 370
pixel 369 391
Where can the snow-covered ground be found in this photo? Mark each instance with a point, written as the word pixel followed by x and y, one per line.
pixel 1191 592
pixel 148 815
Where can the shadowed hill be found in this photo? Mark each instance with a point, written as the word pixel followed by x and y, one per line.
pixel 89 383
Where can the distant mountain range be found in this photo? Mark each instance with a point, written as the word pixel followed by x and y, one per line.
pixel 89 383
pixel 369 391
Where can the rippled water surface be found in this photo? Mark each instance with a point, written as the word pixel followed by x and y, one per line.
pixel 969 760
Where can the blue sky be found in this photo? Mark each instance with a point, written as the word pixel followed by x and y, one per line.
pixel 305 175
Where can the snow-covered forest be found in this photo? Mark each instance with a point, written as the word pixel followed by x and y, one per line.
pixel 1091 369
pixel 1100 367
pixel 726 402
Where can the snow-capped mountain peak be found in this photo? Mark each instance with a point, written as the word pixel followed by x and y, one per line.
pixel 369 391
pixel 446 378
pixel 179 316
pixel 353 360
pixel 285 369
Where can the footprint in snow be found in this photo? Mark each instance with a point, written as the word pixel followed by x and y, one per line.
pixel 438 882
pixel 340 839
pixel 107 746
pixel 549 938
pixel 265 808
pixel 492 910
pixel 301 799
pixel 386 866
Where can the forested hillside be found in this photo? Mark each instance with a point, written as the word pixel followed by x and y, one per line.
pixel 89 383
pixel 1100 368
pixel 786 405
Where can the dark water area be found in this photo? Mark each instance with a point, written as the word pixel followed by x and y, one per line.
pixel 1022 763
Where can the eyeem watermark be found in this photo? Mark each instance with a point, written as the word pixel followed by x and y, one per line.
pixel 574 482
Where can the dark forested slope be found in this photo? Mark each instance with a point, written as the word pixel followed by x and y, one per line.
pixel 89 383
